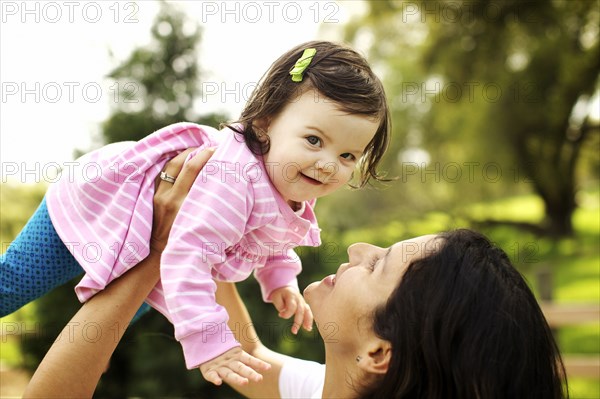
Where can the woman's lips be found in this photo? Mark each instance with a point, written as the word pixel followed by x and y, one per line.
pixel 329 280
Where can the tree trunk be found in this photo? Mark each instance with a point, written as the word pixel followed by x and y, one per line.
pixel 559 215
pixel 553 178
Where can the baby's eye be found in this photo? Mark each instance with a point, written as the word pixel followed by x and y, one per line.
pixel 313 140
pixel 348 156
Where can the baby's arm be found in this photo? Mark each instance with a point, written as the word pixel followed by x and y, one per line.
pixel 288 301
pixel 234 367
pixel 211 219
pixel 279 285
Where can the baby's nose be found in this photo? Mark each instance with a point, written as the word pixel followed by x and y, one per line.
pixel 326 168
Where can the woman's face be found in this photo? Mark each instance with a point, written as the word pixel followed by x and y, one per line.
pixel 343 303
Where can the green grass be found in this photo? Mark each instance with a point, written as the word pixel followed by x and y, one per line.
pixel 575 267
pixel 584 388
pixel 528 208
pixel 22 319
pixel 10 352
pixel 574 263
pixel 583 339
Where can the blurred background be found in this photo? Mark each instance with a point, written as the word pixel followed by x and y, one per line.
pixel 496 126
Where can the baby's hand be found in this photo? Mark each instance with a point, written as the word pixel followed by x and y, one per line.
pixel 289 301
pixel 234 367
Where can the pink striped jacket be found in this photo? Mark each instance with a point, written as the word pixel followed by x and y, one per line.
pixel 232 223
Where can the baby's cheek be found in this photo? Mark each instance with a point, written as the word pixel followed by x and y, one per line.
pixel 345 175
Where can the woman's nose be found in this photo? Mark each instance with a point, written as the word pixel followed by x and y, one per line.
pixel 360 251
pixel 357 252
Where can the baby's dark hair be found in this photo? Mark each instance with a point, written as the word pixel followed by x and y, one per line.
pixel 336 72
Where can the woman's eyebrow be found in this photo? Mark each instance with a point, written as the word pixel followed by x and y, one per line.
pixel 385 259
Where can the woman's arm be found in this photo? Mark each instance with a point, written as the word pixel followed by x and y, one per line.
pixel 239 320
pixel 73 365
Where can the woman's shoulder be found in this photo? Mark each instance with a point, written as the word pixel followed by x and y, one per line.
pixel 301 378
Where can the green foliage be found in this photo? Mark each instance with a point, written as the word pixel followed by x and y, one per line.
pixel 23 200
pixel 484 83
pixel 157 87
pixel 158 83
pixel 154 359
pixel 18 203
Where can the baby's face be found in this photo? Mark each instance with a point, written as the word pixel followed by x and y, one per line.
pixel 315 147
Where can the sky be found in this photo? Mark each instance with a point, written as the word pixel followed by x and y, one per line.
pixel 54 56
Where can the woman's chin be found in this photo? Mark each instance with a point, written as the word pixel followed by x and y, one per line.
pixel 315 294
pixel 310 292
pixel 309 288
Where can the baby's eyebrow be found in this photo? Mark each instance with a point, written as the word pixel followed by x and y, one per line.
pixel 320 131
pixel 359 152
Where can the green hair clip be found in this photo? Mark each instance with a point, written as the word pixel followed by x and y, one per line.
pixel 302 63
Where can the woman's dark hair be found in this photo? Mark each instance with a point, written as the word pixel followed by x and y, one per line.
pixel 464 324
pixel 336 72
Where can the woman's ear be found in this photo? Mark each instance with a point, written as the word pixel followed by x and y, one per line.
pixel 377 360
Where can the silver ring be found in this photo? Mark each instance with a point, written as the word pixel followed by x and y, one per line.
pixel 167 178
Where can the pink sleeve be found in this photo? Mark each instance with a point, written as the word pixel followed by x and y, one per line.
pixel 279 271
pixel 211 219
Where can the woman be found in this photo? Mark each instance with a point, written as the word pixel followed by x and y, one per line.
pixel 438 316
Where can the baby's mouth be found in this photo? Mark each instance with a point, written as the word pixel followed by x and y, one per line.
pixel 311 180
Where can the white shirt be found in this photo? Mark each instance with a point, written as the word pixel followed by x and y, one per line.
pixel 301 379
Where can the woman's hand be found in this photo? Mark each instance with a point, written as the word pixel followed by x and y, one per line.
pixel 74 364
pixel 168 197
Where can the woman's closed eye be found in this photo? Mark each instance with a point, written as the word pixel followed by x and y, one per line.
pixel 373 262
pixel 314 140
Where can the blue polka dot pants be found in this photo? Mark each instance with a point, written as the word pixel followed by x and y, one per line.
pixel 36 262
